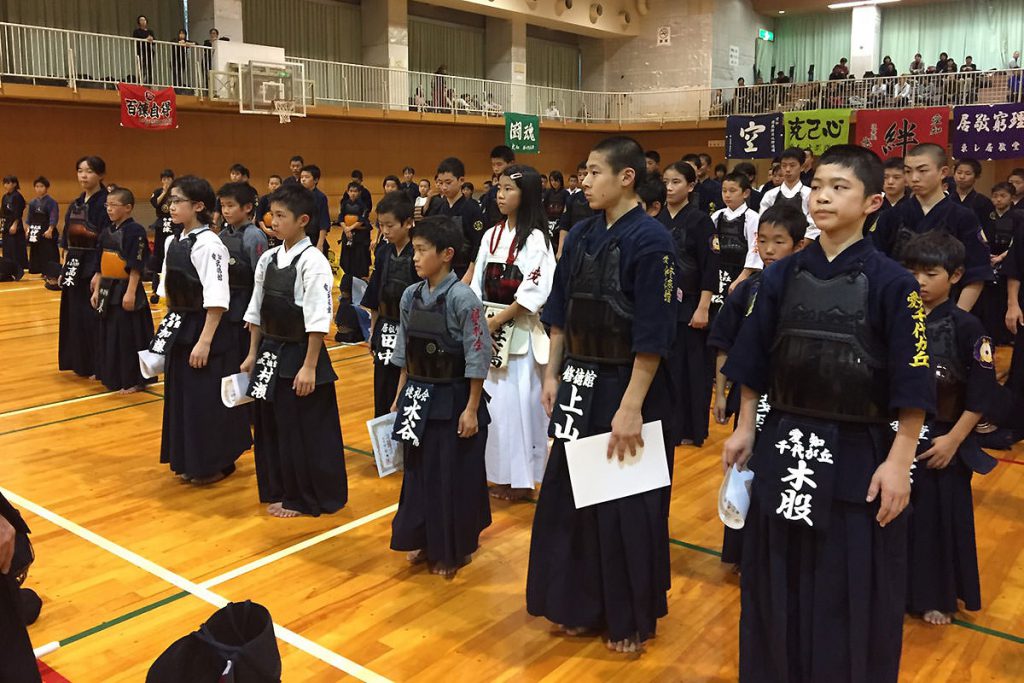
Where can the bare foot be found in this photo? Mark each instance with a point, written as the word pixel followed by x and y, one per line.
pixel 185 478
pixel 444 571
pixel 573 631
pixel 934 616
pixel 500 491
pixel 520 494
pixel 283 512
pixel 627 646
pixel 129 390
pixel 416 557
pixel 273 508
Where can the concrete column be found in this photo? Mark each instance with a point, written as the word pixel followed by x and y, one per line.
pixel 505 58
pixel 385 27
pixel 223 15
pixel 865 41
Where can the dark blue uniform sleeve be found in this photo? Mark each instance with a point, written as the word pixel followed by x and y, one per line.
pixel 726 326
pixel 707 260
pixel 1013 264
pixel 135 246
pixel 976 353
pixel 472 226
pixel 977 264
pixel 882 229
pixel 371 299
pixel 650 281
pixel 751 367
pixel 555 308
pixel 911 378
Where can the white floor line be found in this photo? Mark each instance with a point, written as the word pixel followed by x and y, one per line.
pixel 300 642
pixel 21 289
pixel 66 402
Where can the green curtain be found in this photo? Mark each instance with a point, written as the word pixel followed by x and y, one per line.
pixel 306 28
pixel 555 65
pixel 764 59
pixel 114 17
pixel 433 43
pixel 803 40
pixel 987 30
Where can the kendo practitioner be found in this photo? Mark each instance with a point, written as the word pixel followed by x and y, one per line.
pixel 18 663
pixel 444 350
pixel 1013 271
pixel 126 322
pixel 246 244
pixel 965 175
pixel 85 219
pixel 792 191
pixel 836 338
pixel 1004 226
pixel 696 282
pixel 201 438
pixel 393 272
pixel 501 158
pixel 943 564
pixel 576 210
pixel 300 454
pixel 734 238
pixel 466 212
pixel 163 227
pixel 929 208
pixel 12 211
pixel 604 569
pixel 43 235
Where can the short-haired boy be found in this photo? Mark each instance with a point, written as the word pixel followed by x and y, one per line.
pixel 466 213
pixel 792 191
pixel 577 209
pixel 320 223
pixel 836 338
pixel 735 236
pixel 444 350
pixel 501 158
pixel 299 452
pixel 943 556
pixel 393 272
pixel 246 244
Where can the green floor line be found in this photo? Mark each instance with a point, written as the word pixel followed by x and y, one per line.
pixel 989 631
pixel 694 546
pixel 123 618
pixel 77 417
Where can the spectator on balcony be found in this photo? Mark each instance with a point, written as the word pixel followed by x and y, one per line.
pixel 951 67
pixel 837 74
pixel 782 78
pixel 968 65
pixel 844 69
pixel 492 108
pixel 903 94
pixel 887 69
pixel 179 60
pixel 552 111
pixel 917 66
pixel 419 100
pixel 1014 62
pixel 943 64
pixel 439 95
pixel 144 48
pixel 208 57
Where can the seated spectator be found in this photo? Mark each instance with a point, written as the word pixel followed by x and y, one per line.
pixel 491 107
pixel 1014 62
pixel 968 65
pixel 843 68
pixel 419 101
pixel 951 67
pixel 837 74
pixel 887 68
pixel 943 64
pixel 903 94
pixel 917 66
pixel 879 93
pixel 552 111
pixel 782 78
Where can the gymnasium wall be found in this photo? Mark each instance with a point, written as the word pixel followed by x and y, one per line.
pixel 55 132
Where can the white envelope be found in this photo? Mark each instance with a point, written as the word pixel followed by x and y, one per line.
pixel 596 479
pixel 233 388
pixel 151 364
pixel 386 451
pixel 734 497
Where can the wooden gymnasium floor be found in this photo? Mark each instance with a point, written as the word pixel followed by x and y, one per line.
pixel 129 559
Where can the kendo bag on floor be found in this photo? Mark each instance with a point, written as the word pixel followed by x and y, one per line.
pixel 236 645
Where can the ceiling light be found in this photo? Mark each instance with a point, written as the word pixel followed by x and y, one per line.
pixel 860 3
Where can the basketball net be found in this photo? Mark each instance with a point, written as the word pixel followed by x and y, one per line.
pixel 284 110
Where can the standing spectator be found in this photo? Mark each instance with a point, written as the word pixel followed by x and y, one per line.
pixel 837 74
pixel 943 64
pixel 437 95
pixel 208 58
pixel 917 66
pixel 144 48
pixel 887 68
pixel 844 68
pixel 179 60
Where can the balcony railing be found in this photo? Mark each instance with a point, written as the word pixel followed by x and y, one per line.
pixel 77 59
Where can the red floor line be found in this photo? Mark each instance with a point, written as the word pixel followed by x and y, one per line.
pixel 1011 462
pixel 49 675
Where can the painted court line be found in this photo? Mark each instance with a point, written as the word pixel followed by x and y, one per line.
pixel 300 642
pixel 66 402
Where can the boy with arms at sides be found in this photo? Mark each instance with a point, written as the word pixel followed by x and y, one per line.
pixel 576 209
pixel 299 454
pixel 393 272
pixel 780 233
pixel 501 158
pixel 792 191
pixel 943 554
pixel 444 350
pixel 930 209
pixel 246 244
pixel 604 569
pixel 965 174
pixel 735 236
pixel 466 213
pixel 320 222
pixel 836 339
pixel 1013 270
pixel 408 185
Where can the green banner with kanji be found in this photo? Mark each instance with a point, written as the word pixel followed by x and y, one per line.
pixel 817 129
pixel 522 133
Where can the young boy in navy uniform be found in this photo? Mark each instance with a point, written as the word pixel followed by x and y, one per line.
pixel 943 554
pixel 1001 230
pixel 393 272
pixel 965 174
pixel 735 236
pixel 444 350
pixel 501 158
pixel 1013 271
pixel 246 244
pixel 300 454
pixel 466 213
pixel 320 222
pixel 780 233
pixel 836 337
pixel 576 210
pixel 792 191
pixel 612 311
pixel 126 323
pixel 930 209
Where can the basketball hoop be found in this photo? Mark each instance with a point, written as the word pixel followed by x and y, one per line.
pixel 284 110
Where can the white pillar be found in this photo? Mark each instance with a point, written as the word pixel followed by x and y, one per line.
pixel 223 15
pixel 505 57
pixel 865 41
pixel 385 29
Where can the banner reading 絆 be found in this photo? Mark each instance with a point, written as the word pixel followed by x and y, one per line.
pixel 817 129
pixel 892 133
pixel 146 108
pixel 754 137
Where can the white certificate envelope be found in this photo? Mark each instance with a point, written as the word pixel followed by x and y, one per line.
pixel 233 388
pixel 596 479
pixel 734 497
pixel 151 364
pixel 386 451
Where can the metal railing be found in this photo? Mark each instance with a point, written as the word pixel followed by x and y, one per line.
pixel 40 55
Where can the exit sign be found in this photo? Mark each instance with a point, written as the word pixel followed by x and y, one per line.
pixel 765 35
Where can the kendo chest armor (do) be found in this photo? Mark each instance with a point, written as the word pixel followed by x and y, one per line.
pixel 37 215
pixel 796 201
pixel 240 267
pixel 578 210
pixel 687 270
pixel 732 243
pixel 431 353
pixel 905 233
pixel 950 373
pixel 394 282
pixel 82 235
pixel 502 280
pixel 1000 235
pixel 112 265
pixel 280 317
pixel 183 286
pixel 827 362
pixel 599 318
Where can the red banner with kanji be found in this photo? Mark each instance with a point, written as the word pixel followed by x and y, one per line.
pixel 893 132
pixel 146 108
